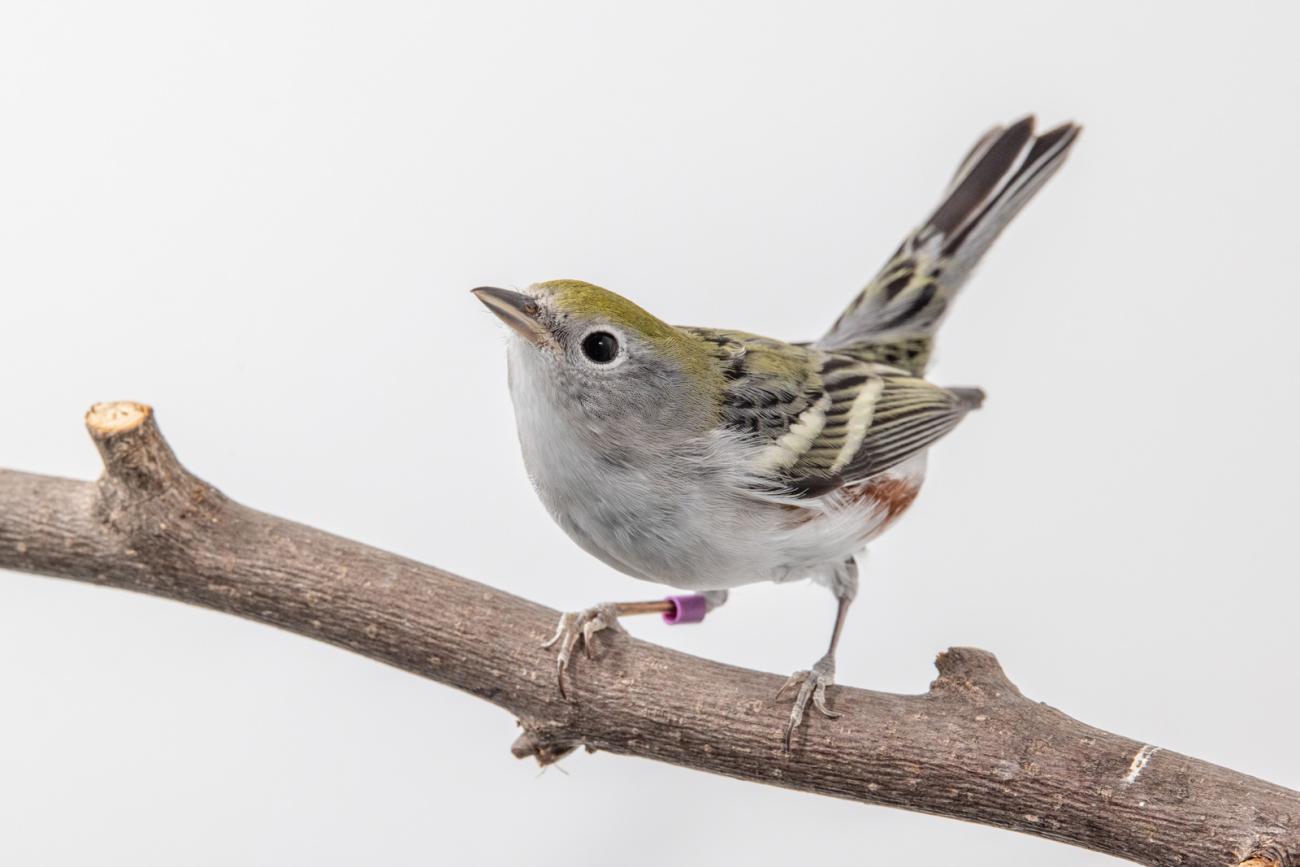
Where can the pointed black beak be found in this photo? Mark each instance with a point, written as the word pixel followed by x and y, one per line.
pixel 515 309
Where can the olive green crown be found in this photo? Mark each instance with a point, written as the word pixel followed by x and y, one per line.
pixel 584 300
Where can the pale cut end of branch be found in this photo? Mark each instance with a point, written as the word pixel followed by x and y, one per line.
pixel 135 455
pixel 107 419
pixel 1260 861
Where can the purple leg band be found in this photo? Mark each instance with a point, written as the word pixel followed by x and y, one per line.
pixel 687 609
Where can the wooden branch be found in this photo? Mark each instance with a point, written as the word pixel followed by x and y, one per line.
pixel 972 747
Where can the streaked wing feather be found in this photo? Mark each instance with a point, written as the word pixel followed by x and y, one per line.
pixel 770 385
pixel 824 420
pixel 905 416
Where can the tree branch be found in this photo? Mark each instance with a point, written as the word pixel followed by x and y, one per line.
pixel 971 748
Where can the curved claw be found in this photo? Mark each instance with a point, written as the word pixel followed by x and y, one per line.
pixel 560 664
pixel 590 628
pixel 819 701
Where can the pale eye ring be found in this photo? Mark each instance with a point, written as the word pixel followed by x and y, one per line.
pixel 600 347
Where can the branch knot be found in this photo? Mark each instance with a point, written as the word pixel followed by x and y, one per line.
pixel 542 744
pixel 969 670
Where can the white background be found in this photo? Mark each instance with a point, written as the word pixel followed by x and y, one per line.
pixel 263 218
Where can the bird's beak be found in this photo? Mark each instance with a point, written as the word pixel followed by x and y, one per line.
pixel 514 309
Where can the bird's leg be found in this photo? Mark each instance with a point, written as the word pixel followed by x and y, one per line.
pixel 578 627
pixel 812 682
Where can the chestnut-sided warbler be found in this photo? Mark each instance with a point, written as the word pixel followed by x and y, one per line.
pixel 705 458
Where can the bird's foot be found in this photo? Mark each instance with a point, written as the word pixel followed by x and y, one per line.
pixel 812 685
pixel 578 627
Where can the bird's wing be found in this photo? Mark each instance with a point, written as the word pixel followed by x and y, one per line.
pixel 899 418
pixel 769 386
pixel 823 420
pixel 877 418
pixel 893 319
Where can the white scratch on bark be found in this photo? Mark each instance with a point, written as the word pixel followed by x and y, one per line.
pixel 1140 759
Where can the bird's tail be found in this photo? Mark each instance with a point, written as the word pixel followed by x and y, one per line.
pixel 903 305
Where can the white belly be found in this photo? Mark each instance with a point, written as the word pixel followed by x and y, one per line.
pixel 681 515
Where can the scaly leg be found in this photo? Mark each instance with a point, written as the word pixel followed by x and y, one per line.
pixel 812 682
pixel 578 627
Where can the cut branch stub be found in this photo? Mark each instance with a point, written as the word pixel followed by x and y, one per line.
pixel 140 466
pixel 132 448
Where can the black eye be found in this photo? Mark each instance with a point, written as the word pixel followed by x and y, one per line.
pixel 600 346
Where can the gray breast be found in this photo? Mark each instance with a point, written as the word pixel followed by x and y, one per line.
pixel 644 508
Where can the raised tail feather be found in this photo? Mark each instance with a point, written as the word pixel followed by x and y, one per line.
pixel 900 309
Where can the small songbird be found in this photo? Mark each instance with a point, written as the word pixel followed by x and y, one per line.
pixel 705 458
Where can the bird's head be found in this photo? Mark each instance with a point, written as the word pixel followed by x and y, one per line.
pixel 592 354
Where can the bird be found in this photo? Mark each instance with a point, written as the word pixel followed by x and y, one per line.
pixel 710 458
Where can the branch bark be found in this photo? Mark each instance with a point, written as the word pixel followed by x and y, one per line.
pixel 972 747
